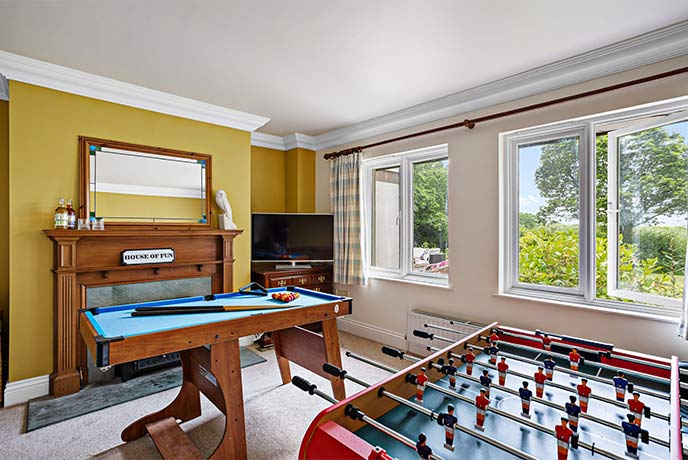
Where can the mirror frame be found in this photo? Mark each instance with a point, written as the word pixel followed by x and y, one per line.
pixel 85 144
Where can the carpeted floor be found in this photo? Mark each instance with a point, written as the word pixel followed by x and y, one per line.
pixel 276 417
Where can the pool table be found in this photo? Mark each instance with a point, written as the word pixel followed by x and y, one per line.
pixel 209 349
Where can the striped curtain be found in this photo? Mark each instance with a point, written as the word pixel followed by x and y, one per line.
pixel 345 198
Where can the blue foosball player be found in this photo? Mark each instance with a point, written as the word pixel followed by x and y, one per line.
pixel 493 351
pixel 448 420
pixel 549 364
pixel 424 451
pixel 486 382
pixel 525 395
pixel 450 370
pixel 573 411
pixel 633 434
pixel 621 384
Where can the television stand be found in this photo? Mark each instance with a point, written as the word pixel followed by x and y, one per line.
pixel 291 265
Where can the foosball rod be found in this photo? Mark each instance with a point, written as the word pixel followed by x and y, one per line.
pixel 529 423
pixel 401 355
pixel 356 414
pixel 336 372
pixel 662 380
pixel 613 402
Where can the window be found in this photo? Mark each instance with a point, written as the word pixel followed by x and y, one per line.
pixel 595 210
pixel 406 206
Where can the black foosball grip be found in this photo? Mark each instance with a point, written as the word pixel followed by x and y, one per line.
pixel 423 334
pixel 581 361
pixel 647 412
pixel 333 370
pixel 393 352
pixel 410 378
pixel 353 412
pixel 645 436
pixel 630 387
pixel 574 441
pixel 303 384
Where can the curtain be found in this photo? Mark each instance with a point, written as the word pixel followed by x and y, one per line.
pixel 682 326
pixel 345 198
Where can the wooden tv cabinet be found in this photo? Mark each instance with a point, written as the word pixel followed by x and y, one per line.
pixel 317 278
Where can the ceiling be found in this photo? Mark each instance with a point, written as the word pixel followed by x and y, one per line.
pixel 313 66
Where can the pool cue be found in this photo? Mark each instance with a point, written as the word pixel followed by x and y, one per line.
pixel 155 311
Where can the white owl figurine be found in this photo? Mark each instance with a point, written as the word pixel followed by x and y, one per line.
pixel 224 219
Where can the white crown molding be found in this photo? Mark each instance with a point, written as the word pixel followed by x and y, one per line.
pixel 22 390
pixel 659 45
pixel 35 72
pixel 4 89
pixel 289 142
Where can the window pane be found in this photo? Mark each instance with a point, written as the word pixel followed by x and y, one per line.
pixel 386 199
pixel 652 206
pixel 548 209
pixel 430 205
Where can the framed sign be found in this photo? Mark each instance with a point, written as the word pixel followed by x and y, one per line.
pixel 147 256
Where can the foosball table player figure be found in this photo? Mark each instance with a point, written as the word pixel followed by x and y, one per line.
pixel 634 434
pixel 621 384
pixel 584 394
pixel 525 395
pixel 450 370
pixel 494 337
pixel 448 420
pixel 637 407
pixel 486 382
pixel 565 438
pixel 469 359
pixel 574 359
pixel 421 380
pixel 502 369
pixel 573 411
pixel 549 364
pixel 540 379
pixel 546 342
pixel 481 403
pixel 493 351
pixel 424 451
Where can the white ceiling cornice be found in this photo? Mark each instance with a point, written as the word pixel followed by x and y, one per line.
pixel 298 140
pixel 285 143
pixel 267 140
pixel 4 89
pixel 659 45
pixel 35 72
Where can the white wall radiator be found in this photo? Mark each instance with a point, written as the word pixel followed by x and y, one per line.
pixel 417 319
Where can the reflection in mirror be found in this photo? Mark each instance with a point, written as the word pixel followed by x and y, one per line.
pixel 128 185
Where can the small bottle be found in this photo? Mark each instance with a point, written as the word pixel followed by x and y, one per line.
pixel 61 216
pixel 71 216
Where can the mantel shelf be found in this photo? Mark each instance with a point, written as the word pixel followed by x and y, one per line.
pixel 115 268
pixel 141 233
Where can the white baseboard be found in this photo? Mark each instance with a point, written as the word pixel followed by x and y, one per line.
pixel 23 390
pixel 370 332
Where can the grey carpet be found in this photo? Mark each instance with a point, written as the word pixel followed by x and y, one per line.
pixel 43 412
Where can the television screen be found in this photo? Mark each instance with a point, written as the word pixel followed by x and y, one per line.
pixel 292 237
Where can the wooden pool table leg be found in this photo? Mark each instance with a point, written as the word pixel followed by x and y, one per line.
pixel 334 356
pixel 225 363
pixel 282 362
pixel 186 406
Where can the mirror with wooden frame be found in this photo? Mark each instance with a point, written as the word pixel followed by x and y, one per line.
pixel 137 185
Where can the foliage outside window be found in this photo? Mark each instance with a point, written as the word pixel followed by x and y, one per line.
pixel 560 197
pixel 406 206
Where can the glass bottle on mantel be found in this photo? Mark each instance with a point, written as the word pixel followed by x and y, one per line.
pixel 61 215
pixel 71 215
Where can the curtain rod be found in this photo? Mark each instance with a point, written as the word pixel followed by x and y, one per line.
pixel 470 124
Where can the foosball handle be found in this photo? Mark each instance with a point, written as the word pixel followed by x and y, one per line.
pixel 303 384
pixel 393 352
pixel 410 378
pixel 334 370
pixel 423 334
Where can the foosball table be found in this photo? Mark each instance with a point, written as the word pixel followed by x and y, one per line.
pixel 503 392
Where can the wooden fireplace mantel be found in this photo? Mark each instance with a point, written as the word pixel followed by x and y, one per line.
pixel 89 258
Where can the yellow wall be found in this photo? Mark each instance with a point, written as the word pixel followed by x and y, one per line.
pixel 44 126
pixel 4 220
pixel 300 180
pixel 268 180
pixel 122 204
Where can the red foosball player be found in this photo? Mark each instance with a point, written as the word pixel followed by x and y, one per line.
pixel 525 395
pixel 540 379
pixel 636 406
pixel 549 364
pixel 424 451
pixel 469 359
pixel 502 369
pixel 486 382
pixel 494 337
pixel 584 394
pixel 574 359
pixel 450 370
pixel 564 435
pixel 481 403
pixel 546 342
pixel 421 380
pixel 632 432
pixel 620 384
pixel 493 351
pixel 448 420
pixel 573 410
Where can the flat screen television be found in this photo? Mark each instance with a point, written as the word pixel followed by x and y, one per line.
pixel 292 238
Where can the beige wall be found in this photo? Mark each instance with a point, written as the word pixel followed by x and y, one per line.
pixel 474 232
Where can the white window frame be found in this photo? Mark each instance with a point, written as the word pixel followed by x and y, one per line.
pixel 508 205
pixel 405 162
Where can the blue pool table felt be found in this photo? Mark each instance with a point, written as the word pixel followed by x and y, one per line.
pixel 116 321
pixel 410 422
